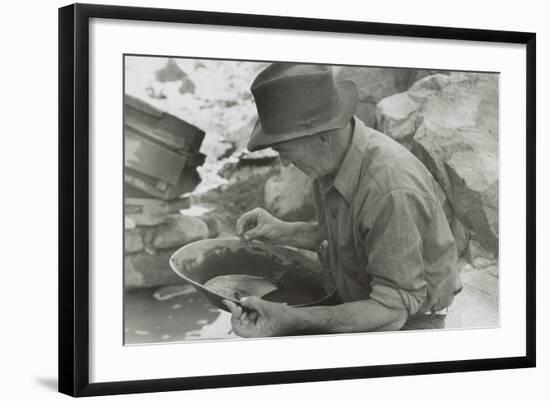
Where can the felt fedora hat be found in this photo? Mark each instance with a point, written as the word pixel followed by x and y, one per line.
pixel 298 100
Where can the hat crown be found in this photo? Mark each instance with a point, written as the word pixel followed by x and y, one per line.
pixel 294 96
pixel 299 100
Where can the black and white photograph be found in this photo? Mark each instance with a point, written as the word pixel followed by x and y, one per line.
pixel 269 198
pixel 246 200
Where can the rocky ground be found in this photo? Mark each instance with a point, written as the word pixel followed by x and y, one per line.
pixel 448 120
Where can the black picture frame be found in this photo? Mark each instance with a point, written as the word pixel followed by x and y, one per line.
pixel 74 198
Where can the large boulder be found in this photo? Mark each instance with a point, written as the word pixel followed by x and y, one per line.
pixel 465 163
pixel 288 195
pixel 133 242
pixel 468 100
pixel 375 84
pixel 149 270
pixel 180 230
pixel 398 116
pixel 450 122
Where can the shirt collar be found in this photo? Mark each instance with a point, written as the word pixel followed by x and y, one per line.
pixel 347 177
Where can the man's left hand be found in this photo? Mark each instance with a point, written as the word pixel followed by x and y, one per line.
pixel 262 318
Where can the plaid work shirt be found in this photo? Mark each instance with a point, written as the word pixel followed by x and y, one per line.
pixel 385 233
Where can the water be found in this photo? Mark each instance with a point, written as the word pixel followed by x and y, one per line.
pixel 184 317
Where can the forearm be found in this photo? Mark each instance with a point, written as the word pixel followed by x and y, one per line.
pixel 360 316
pixel 301 235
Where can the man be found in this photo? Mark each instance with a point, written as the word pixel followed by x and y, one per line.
pixel 381 230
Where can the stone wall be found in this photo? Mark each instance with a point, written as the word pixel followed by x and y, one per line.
pixel 149 241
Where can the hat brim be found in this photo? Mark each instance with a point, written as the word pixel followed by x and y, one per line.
pixel 349 95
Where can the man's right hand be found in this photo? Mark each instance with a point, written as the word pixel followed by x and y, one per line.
pixel 260 225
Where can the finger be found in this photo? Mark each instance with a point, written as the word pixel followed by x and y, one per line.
pixel 253 316
pixel 247 221
pixel 235 310
pixel 248 231
pixel 245 331
pixel 230 305
pixel 258 232
pixel 255 304
pixel 244 318
pixel 240 225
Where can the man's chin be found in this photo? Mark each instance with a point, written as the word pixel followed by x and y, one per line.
pixel 312 176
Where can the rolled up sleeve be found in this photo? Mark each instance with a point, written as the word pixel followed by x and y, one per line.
pixel 393 234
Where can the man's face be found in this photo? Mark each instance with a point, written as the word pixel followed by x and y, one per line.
pixel 305 153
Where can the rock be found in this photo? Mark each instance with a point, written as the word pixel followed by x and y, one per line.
pixel 492 270
pixel 198 64
pixel 288 195
pixel 465 162
pixel 187 86
pixel 148 220
pixel 144 270
pixel 418 74
pixel 148 234
pixel 375 84
pixel 464 266
pixel 398 116
pixel 450 122
pixel 474 191
pixel 154 207
pixel 422 89
pixel 132 277
pixel 479 256
pixel 180 230
pixel 171 72
pixel 155 90
pixel 468 100
pixel 129 224
pixel 460 233
pixel 482 263
pixel 132 241
pixel 214 226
